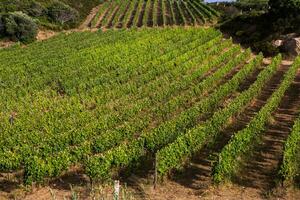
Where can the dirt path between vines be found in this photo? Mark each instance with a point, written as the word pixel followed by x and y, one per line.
pixel 195 182
pixel 89 18
pixel 199 173
pixel 261 172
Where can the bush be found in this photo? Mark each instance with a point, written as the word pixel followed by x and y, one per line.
pixel 19 26
pixel 35 9
pixel 2 26
pixel 62 13
pixel 266 47
pixel 284 7
pixel 8 6
pixel 30 7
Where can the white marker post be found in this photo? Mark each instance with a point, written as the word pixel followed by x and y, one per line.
pixel 116 190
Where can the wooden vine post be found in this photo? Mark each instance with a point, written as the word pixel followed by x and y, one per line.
pixel 155 171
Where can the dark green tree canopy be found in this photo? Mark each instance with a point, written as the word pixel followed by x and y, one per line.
pixel 285 7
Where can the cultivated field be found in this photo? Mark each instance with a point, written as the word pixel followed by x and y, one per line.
pixel 110 103
pixel 150 13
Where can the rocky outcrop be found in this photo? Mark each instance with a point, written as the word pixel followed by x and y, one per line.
pixel 292 46
pixel 289 43
pixel 277 43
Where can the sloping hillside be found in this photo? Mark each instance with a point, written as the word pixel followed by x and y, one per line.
pixel 40 10
pixel 149 13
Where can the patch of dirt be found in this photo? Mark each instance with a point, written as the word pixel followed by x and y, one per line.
pixel 287 62
pixel 171 190
pixel 267 61
pixel 6 44
pixel 45 34
pixel 48 193
pixel 139 188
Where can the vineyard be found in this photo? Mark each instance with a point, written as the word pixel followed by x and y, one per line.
pixel 151 13
pixel 108 102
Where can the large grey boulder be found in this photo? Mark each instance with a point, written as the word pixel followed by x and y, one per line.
pixel 292 46
pixel 289 43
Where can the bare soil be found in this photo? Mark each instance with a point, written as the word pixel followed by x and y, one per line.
pixel 6 44
pixel 45 34
pixel 140 188
pixel 261 171
pixel 42 35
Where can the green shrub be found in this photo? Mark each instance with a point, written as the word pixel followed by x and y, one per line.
pixel 2 26
pixel 30 7
pixel 8 5
pixel 284 7
pixel 62 13
pixel 20 27
pixel 239 33
pixel 35 9
pixel 266 47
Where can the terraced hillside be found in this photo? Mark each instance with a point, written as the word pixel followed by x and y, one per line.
pixel 149 13
pixel 105 102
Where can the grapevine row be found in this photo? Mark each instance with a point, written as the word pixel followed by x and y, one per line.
pixel 173 155
pixel 112 137
pixel 127 153
pixel 152 12
pixel 244 141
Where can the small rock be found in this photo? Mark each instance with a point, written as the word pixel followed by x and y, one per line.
pixel 267 61
pixel 277 43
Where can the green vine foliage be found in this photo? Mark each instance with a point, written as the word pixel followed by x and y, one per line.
pixel 243 141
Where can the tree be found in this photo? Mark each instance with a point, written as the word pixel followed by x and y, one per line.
pixel 2 26
pixel 19 26
pixel 62 13
pixel 285 7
